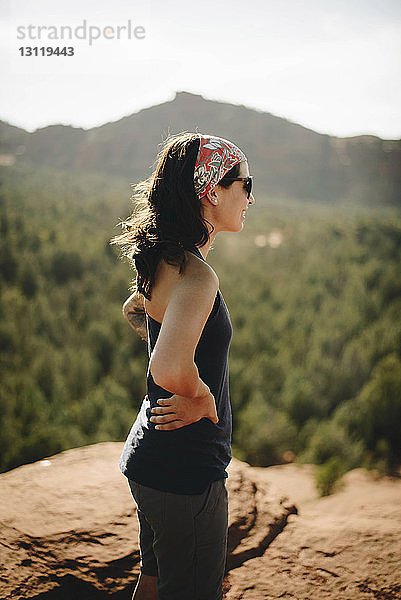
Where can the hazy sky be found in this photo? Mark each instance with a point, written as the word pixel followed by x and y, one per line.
pixel 331 65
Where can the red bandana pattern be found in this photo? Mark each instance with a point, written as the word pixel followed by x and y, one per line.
pixel 216 157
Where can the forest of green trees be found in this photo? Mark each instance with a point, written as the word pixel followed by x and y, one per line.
pixel 315 359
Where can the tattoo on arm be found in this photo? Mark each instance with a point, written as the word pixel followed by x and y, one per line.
pixel 138 322
pixel 134 313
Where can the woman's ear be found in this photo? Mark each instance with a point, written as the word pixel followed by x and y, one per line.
pixel 212 197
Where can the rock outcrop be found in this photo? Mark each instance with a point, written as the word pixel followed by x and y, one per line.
pixel 69 527
pixel 343 547
pixel 69 531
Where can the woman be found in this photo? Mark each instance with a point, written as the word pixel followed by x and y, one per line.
pixel 177 451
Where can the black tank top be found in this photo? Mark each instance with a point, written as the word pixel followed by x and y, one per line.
pixel 185 460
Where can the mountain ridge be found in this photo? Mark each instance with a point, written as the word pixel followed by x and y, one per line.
pixel 287 159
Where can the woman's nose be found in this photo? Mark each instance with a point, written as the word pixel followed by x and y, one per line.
pixel 251 199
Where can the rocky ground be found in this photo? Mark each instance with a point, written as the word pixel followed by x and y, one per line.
pixel 69 530
pixel 343 547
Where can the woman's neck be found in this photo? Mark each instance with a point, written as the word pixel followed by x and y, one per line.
pixel 204 250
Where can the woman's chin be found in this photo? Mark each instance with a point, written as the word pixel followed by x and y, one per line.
pixel 235 228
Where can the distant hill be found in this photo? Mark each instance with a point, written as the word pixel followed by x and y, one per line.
pixel 287 159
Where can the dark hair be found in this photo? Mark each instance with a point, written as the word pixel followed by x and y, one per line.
pixel 167 217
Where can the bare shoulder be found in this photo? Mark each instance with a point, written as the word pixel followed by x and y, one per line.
pixel 198 272
pixel 197 281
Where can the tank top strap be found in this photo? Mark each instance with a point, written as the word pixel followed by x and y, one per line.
pixel 195 250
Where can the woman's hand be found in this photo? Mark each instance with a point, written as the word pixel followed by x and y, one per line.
pixel 178 411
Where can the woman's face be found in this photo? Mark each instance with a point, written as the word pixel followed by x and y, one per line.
pixel 229 205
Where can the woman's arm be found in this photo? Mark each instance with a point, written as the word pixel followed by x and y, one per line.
pixel 134 313
pixel 172 363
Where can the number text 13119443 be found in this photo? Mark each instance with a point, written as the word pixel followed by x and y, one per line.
pixel 46 51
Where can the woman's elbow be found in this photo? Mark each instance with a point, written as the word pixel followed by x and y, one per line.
pixel 174 378
pixel 164 375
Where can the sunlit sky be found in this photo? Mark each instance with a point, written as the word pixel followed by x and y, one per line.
pixel 331 65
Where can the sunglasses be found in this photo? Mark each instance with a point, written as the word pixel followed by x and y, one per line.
pixel 248 183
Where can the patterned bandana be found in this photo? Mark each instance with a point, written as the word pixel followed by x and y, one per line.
pixel 216 157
